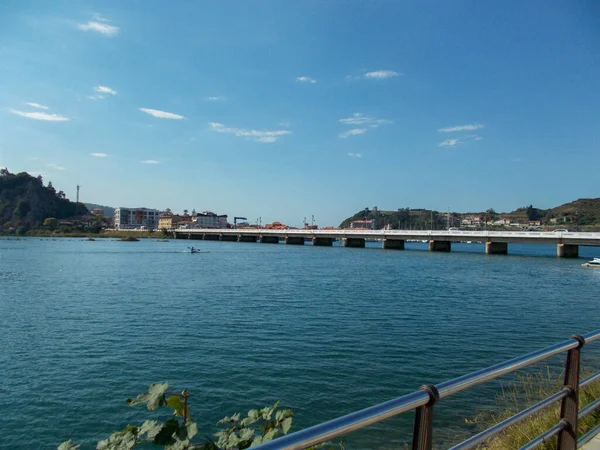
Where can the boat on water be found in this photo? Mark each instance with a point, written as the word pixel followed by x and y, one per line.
pixel 593 263
pixel 194 250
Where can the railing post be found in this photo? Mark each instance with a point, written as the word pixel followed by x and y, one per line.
pixel 423 429
pixel 569 408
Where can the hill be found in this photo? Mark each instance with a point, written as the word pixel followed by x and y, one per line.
pixel 584 212
pixel 109 211
pixel 25 202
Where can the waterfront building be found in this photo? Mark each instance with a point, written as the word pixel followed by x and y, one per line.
pixel 169 221
pixel 209 219
pixel 364 224
pixel 131 218
pixel 97 212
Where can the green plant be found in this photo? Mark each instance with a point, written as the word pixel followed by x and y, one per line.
pixel 177 432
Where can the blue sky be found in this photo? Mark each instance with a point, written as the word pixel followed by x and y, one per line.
pixel 281 110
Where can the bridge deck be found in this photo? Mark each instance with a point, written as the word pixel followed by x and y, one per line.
pixel 529 237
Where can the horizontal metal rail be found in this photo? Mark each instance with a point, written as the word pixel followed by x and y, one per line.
pixel 589 408
pixel 590 379
pixel 545 437
pixel 587 437
pixel 429 395
pixel 492 431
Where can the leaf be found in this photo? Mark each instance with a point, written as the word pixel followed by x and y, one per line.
pixel 149 429
pixel 68 445
pixel 192 429
pixel 178 406
pixel 246 434
pixel 120 440
pixel 154 398
pixel 167 434
pixel 286 424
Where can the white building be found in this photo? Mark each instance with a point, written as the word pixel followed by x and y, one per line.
pixel 209 219
pixel 130 218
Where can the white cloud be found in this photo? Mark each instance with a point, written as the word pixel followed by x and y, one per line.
pixel 99 155
pixel 104 28
pixel 469 127
pixel 267 136
pixel 40 116
pixel 352 132
pixel 161 114
pixel 450 143
pixel 37 105
pixel 355 155
pixel 56 166
pixel 105 90
pixel 150 161
pixel 359 119
pixel 216 98
pixel 381 75
pixel 306 80
pixel 95 97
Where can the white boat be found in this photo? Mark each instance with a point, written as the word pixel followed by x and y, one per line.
pixel 593 263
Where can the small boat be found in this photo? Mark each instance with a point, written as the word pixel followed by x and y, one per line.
pixel 593 263
pixel 194 250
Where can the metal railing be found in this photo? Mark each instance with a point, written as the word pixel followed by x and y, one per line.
pixel 424 401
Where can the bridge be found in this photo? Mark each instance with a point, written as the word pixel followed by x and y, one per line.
pixel 496 242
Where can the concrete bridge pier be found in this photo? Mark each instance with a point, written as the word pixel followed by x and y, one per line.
pixel 322 241
pixel 269 239
pixel 294 240
pixel 246 238
pixel 392 244
pixel 440 246
pixel 567 251
pixel 193 236
pixel 496 248
pixel 354 242
pixel 228 237
pixel 210 237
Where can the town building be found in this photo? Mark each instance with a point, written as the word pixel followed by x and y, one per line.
pixel 97 212
pixel 276 226
pixel 169 221
pixel 209 219
pixel 364 224
pixel 131 218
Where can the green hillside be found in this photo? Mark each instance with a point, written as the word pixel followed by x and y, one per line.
pixel 25 202
pixel 584 212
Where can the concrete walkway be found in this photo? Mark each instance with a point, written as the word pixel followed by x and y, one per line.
pixel 594 444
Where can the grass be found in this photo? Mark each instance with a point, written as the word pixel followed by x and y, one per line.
pixel 527 390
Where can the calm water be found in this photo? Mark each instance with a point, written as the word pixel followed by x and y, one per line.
pixel 85 325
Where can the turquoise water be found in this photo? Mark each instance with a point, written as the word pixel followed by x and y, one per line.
pixel 85 325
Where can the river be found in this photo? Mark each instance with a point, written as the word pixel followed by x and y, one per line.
pixel 87 324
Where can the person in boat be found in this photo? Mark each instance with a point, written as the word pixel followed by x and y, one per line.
pixel 193 250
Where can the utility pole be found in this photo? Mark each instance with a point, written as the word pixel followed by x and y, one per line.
pixel 77 202
pixel 448 219
pixel 313 220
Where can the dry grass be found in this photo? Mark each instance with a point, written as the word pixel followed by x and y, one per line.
pixel 527 390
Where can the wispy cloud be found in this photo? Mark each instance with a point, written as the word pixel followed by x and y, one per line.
pixel 450 143
pixel 150 161
pixel 359 119
pixel 99 155
pixel 37 105
pixel 355 155
pixel 95 97
pixel 469 127
pixel 306 80
pixel 381 75
pixel 352 132
pixel 161 114
pixel 39 116
pixel 374 75
pixel 216 98
pixel 99 25
pixel 56 166
pixel 266 136
pixel 364 123
pixel 105 90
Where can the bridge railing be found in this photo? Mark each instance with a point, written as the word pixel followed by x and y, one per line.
pixel 425 399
